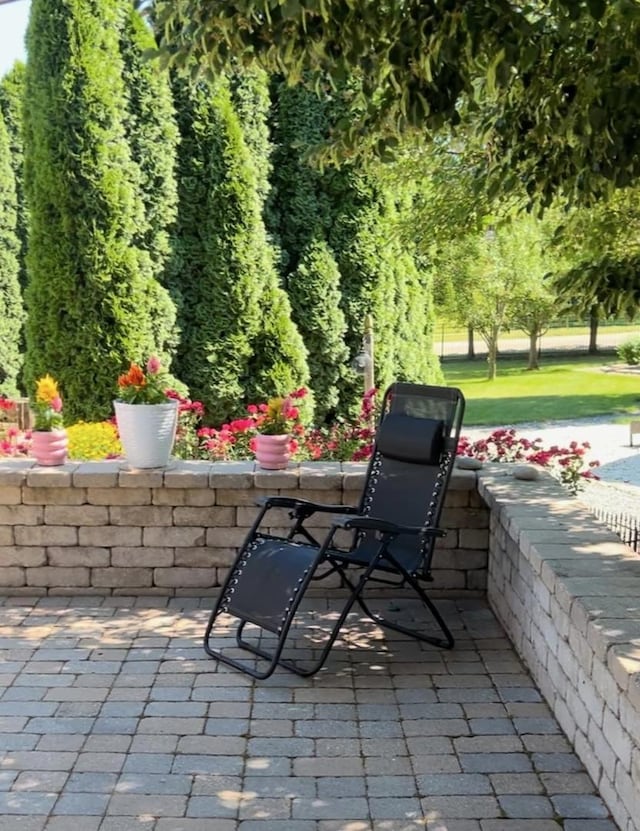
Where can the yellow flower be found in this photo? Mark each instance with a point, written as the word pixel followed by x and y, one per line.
pixel 46 390
pixel 274 408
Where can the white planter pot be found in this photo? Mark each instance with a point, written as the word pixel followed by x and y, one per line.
pixel 147 432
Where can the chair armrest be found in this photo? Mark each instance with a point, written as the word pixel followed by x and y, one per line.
pixel 303 507
pixel 369 523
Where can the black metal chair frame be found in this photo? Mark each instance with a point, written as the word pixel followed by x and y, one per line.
pixel 309 554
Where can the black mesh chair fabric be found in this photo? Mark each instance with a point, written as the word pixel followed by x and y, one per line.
pixel 394 529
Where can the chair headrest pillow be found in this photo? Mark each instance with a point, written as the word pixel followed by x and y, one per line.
pixel 409 439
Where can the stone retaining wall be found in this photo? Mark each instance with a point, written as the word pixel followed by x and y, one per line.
pixel 567 592
pixel 96 528
pixel 565 588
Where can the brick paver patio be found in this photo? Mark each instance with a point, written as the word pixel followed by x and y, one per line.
pixel 112 719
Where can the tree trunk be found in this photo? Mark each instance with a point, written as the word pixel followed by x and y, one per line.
pixel 593 331
pixel 533 351
pixel 492 356
pixel 471 350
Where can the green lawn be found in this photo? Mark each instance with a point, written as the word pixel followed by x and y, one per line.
pixel 561 388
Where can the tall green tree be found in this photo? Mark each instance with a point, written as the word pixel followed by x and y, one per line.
pixel 11 311
pixel 302 219
pixel 87 298
pixel 11 103
pixel 152 134
pixel 237 340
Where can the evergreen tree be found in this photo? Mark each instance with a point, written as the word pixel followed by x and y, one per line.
pixel 11 313
pixel 303 216
pixel 152 133
pixel 237 340
pixel 87 297
pixel 11 98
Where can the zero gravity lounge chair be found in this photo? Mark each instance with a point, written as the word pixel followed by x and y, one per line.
pixel 393 532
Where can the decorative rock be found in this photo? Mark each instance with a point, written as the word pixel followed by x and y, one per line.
pixel 526 472
pixel 468 463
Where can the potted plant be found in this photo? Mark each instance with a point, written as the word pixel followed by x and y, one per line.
pixel 274 423
pixel 49 440
pixel 146 415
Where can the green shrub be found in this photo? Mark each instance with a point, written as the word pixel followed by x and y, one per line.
pixel 629 351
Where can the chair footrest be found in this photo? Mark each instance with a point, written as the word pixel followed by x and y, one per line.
pixel 267 580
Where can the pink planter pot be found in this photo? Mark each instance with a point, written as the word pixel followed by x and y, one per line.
pixel 272 452
pixel 49 447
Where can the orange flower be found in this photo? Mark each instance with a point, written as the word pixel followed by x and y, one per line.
pixel 133 378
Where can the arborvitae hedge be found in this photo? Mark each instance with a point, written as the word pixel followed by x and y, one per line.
pixel 314 292
pixel 11 102
pixel 87 300
pixel 152 134
pixel 303 216
pixel 11 312
pixel 237 341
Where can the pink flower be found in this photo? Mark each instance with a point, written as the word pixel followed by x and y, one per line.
pixel 153 365
pixel 56 404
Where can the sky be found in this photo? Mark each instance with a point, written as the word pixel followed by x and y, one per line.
pixel 13 25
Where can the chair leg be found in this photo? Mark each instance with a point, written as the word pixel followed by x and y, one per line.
pixel 444 643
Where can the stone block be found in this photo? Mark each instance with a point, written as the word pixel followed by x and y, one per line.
pixel 188 474
pixel 477 580
pixel 76 515
pixel 209 517
pixel 12 576
pixel 121 577
pixel 225 537
pixel 617 738
pixel 55 576
pixel 140 478
pixel 140 557
pixel 10 495
pixel 274 480
pixel 231 475
pixel 21 515
pixel 28 556
pixel 54 496
pixel 465 518
pixel 185 577
pixel 78 556
pixel 143 515
pixel 45 535
pixel 183 537
pixel 237 497
pixel 119 496
pixel 200 498
pixel 6 535
pixel 204 557
pixel 320 476
pixel 51 477
pixel 100 474
pixel 13 472
pixel 107 536
pixel 169 496
pixel 477 538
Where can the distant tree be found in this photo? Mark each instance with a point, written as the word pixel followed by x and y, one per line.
pixel 87 298
pixel 500 279
pixel 11 311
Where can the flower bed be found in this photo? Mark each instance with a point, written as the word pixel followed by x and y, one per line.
pixel 343 440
